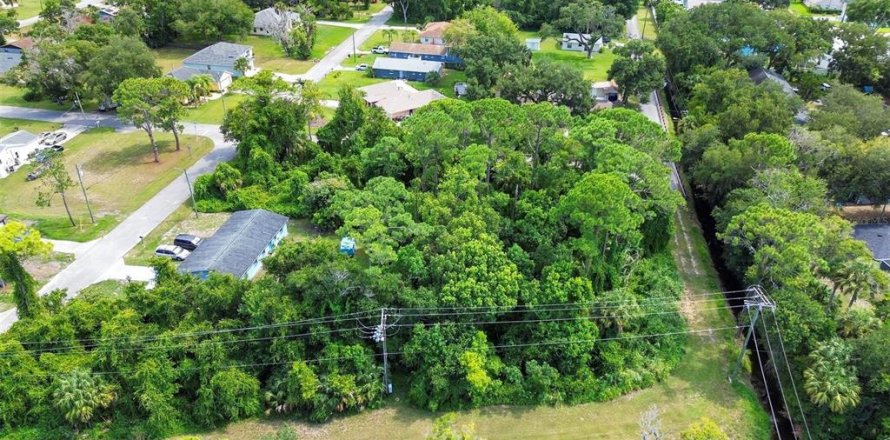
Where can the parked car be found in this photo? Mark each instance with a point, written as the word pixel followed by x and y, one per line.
pixel 57 148
pixel 46 154
pixel 188 242
pixel 174 252
pixel 361 67
pixel 107 108
pixel 380 50
pixel 34 175
pixel 53 138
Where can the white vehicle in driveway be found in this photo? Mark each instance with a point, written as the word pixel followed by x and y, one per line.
pixel 361 67
pixel 175 253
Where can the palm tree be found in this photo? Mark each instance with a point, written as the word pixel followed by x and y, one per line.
pixel 199 87
pixel 390 34
pixel 242 65
pixel 856 277
pixel 79 395
pixel 829 381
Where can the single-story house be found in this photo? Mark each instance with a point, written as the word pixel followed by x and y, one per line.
pixel 14 150
pixel 221 80
pixel 397 98
pixel 605 91
pixel 877 238
pixel 8 61
pixel 239 246
pixel 434 33
pixel 760 75
pixel 400 68
pixel 825 5
pixel 18 46
pixel 533 44
pixel 220 57
pixel 270 20
pixel 427 52
pixel 572 42
pixel 107 14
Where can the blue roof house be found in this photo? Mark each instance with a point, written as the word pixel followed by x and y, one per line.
pixel 239 246
pixel 347 246
pixel 220 57
pixel 411 68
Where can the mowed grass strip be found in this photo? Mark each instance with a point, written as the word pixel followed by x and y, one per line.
pixel 15 96
pixel 27 9
pixel 595 68
pixel 119 173
pixel 213 111
pixel 8 126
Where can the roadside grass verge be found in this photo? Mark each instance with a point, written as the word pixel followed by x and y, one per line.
pixel 8 126
pixel 27 9
pixel 361 15
pixel 14 96
pixel 120 175
pixel 213 111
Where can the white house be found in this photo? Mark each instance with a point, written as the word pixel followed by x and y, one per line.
pixel 14 150
pixel 533 44
pixel 572 42
pixel 434 33
pixel 825 5
pixel 221 80
pixel 220 57
pixel 270 20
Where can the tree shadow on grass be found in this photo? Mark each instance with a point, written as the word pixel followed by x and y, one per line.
pixel 138 153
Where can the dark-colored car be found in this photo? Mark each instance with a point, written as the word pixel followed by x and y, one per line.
pixel 34 175
pixel 188 242
pixel 58 148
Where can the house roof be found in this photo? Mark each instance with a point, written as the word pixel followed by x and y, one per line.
pixel 876 237
pixel 23 44
pixel 9 60
pixel 421 49
pixel 270 17
pixel 760 75
pixel 435 29
pixel 407 65
pixel 610 85
pixel 219 54
pixel 184 73
pixel 110 11
pixel 16 139
pixel 237 244
pixel 397 97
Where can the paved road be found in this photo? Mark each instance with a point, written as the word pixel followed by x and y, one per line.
pixel 83 4
pixel 105 255
pixel 337 55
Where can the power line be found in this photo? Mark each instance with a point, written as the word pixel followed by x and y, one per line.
pixel 769 398
pixel 791 375
pixel 769 346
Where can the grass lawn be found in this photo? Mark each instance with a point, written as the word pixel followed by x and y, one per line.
pixel 169 58
pixel 27 9
pixel 8 126
pixel 697 388
pixel 104 288
pixel 379 38
pixel 6 300
pixel 330 85
pixel 14 96
pixel 360 15
pixel 212 112
pixel 647 26
pixel 595 68
pixel 119 173
pixel 270 56
pixel 446 85
pixel 797 7
pixel 182 221
pixel 328 37
pixel 368 59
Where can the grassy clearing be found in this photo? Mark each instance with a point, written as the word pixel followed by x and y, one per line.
pixel 327 37
pixel 169 58
pixel 119 173
pixel 331 84
pixel 213 111
pixel 14 96
pixel 8 126
pixel 361 15
pixel 268 55
pixel 446 85
pixel 27 9
pixel 646 24
pixel 104 288
pixel 383 38
pixel 595 68
pixel 182 221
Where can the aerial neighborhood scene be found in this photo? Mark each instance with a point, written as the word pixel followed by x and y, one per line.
pixel 444 219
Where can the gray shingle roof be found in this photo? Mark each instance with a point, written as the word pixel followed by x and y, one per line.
pixel 185 73
pixel 17 139
pixel 877 237
pixel 407 65
pixel 219 54
pixel 237 244
pixel 270 18
pixel 9 60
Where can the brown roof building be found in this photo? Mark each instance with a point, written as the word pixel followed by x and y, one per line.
pixel 417 49
pixel 434 33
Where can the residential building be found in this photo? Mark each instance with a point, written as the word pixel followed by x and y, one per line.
pixel 572 42
pixel 760 75
pixel 825 5
pixel 533 44
pixel 239 246
pixel 270 21
pixel 18 46
pixel 427 52
pixel 605 92
pixel 413 69
pixel 8 61
pixel 689 4
pixel 221 80
pixel 14 150
pixel 221 57
pixel 107 14
pixel 877 238
pixel 397 98
pixel 434 33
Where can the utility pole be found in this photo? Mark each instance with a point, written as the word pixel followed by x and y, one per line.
pixel 379 336
pixel 354 55
pixel 192 193
pixel 83 188
pixel 754 304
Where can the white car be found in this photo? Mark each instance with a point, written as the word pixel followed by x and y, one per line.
pixel 174 252
pixel 380 50
pixel 361 67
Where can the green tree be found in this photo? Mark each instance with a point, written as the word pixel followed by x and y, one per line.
pixel 589 20
pixel 17 243
pixel 213 20
pixel 242 65
pixel 79 395
pixel 858 60
pixel 873 177
pixel 852 110
pixel 638 71
pixel 8 24
pixel 830 380
pixel 546 81
pixel 199 87
pixel 121 59
pixel 229 395
pixel 151 103
pixel 443 429
pixel 703 429
pixel 55 180
pixel 874 13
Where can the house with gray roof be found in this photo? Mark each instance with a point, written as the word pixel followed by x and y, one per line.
pixel 220 57
pixel 239 246
pixel 413 69
pixel 221 80
pixel 9 61
pixel 269 21
pixel 760 75
pixel 824 5
pixel 877 238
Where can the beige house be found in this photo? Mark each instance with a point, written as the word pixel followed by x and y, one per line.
pixel 434 33
pixel 398 99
